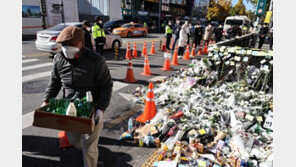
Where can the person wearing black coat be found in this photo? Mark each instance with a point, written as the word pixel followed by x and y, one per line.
pixel 218 33
pixel 177 30
pixel 197 34
pixel 86 27
pixel 262 35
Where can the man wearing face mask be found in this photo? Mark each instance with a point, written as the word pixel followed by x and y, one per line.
pixel 168 34
pixel 177 30
pixel 86 27
pixel 98 33
pixel 77 70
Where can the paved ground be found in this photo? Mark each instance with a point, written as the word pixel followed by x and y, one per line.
pixel 40 145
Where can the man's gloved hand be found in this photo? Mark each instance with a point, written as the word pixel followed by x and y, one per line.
pixel 98 116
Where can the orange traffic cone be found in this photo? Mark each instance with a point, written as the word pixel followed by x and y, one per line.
pixel 128 54
pixel 152 51
pixel 130 73
pixel 199 53
pixel 193 51
pixel 163 47
pixel 63 140
pixel 150 108
pixel 135 52
pixel 205 50
pixel 186 56
pixel 167 63
pixel 144 50
pixel 175 57
pixel 147 70
pixel 172 42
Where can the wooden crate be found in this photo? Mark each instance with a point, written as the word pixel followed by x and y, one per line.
pixel 150 161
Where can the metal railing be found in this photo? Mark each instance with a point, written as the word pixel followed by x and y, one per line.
pixel 248 40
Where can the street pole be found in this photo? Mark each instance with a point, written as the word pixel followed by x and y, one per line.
pixel 159 14
pixel 62 11
pixel 271 9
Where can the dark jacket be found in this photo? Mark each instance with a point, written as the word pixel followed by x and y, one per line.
pixel 88 72
pixel 87 39
pixel 177 29
pixel 218 33
pixel 263 32
pixel 197 34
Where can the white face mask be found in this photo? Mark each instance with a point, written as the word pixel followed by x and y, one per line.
pixel 88 28
pixel 178 22
pixel 70 51
pixel 100 21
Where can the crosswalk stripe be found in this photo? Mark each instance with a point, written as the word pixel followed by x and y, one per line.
pixel 30 60
pixel 36 66
pixel 36 76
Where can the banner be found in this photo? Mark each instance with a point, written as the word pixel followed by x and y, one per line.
pixel 268 17
pixel 260 8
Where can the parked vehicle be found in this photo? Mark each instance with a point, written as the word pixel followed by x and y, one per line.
pixel 131 29
pixel 46 39
pixel 110 25
pixel 236 20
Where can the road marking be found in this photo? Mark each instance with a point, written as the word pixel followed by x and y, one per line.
pixel 38 54
pixel 128 114
pixel 27 119
pixel 118 85
pixel 36 76
pixel 36 66
pixel 126 96
pixel 36 156
pixel 154 79
pixel 30 60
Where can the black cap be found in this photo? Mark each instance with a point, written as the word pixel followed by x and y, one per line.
pixel 98 18
pixel 86 23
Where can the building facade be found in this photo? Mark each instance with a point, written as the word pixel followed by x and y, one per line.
pixel 38 14
pixel 107 9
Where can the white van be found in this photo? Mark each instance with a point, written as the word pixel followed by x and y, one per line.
pixel 236 20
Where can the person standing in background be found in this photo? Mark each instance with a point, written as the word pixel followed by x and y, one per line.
pixel 98 33
pixel 197 34
pixel 182 40
pixel 208 33
pixel 177 30
pixel 218 33
pixel 168 34
pixel 262 35
pixel 86 27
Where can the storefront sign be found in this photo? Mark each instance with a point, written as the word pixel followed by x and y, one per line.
pixel 143 13
pixel 31 11
pixel 154 14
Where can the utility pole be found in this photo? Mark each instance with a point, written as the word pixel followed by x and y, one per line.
pixel 62 11
pixel 159 14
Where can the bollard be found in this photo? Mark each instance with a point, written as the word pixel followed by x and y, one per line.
pixel 116 53
pixel 160 44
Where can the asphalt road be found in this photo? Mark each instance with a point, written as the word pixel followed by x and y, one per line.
pixel 40 146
